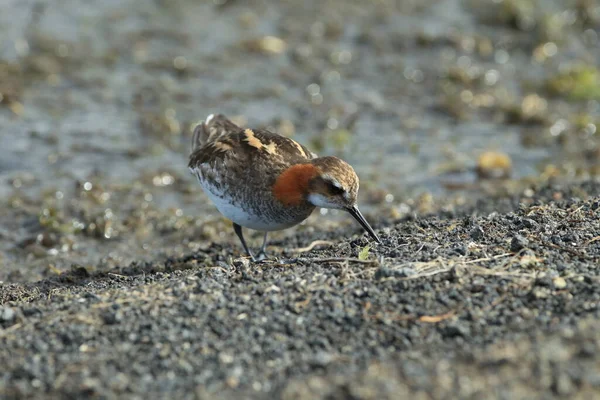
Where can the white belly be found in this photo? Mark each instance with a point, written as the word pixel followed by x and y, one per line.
pixel 238 214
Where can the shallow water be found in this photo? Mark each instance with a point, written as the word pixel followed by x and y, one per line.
pixel 410 93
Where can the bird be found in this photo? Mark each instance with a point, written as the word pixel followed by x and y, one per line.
pixel 268 182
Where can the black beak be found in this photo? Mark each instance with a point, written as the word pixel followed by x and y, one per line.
pixel 363 222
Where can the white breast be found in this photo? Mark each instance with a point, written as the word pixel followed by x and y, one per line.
pixel 233 211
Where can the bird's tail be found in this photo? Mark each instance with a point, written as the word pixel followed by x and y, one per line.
pixel 211 129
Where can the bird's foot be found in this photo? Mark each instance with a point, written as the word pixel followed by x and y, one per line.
pixel 261 255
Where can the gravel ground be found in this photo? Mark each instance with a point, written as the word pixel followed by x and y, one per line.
pixel 425 99
pixel 490 298
pixel 468 304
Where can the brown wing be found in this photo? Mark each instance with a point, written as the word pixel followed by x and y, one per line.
pixel 212 130
pixel 226 147
pixel 248 147
pixel 276 145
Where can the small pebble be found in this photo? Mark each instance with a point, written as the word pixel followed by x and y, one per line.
pixel 7 314
pixel 455 329
pixel 112 317
pixel 518 243
pixel 559 282
pixel 494 165
pixel 476 233
pixel 529 223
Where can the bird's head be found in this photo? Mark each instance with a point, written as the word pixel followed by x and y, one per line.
pixel 326 182
pixel 335 184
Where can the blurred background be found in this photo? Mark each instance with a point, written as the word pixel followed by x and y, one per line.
pixel 435 103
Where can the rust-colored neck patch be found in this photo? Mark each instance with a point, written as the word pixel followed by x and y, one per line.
pixel 291 186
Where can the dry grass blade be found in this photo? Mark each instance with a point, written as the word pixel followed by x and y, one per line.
pixel 487 272
pixel 437 318
pixel 488 258
pixel 338 259
pixel 563 248
pixel 439 265
pixel 424 269
pixel 592 240
pixel 312 246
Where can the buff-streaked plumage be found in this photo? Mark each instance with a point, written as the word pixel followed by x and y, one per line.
pixel 264 181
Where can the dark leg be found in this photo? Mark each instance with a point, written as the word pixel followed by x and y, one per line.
pixel 261 255
pixel 238 231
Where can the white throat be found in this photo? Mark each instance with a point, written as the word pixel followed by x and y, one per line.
pixel 319 200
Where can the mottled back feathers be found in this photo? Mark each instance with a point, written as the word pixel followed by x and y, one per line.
pixel 218 139
pixel 238 168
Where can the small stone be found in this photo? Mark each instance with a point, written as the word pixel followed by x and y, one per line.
pixel 476 233
pixel 382 273
pixel 559 282
pixel 529 260
pixel 404 272
pixel 543 281
pixel 242 262
pixel 518 243
pixel 112 317
pixel 477 286
pixel 30 311
pixel 322 359
pixel 588 349
pixel 459 250
pixel 266 45
pixel 526 313
pixel 529 223
pixel 494 165
pixel 454 330
pixel 79 271
pixel 563 385
pixel 47 240
pixel 7 314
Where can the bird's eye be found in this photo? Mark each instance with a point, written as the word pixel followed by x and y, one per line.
pixel 335 189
